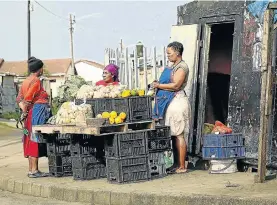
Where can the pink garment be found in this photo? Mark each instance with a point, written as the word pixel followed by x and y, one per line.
pixel 113 69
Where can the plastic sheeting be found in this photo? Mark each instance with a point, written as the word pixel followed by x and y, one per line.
pixel 258 8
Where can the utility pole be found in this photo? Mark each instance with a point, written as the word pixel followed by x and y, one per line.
pixel 71 22
pixel 29 30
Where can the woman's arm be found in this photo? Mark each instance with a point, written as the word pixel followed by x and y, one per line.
pixel 178 80
pixel 26 100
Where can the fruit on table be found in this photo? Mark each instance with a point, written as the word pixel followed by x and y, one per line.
pixel 113 114
pixel 141 92
pixel 105 115
pixel 123 115
pixel 134 92
pixel 126 93
pixel 111 120
pixel 118 120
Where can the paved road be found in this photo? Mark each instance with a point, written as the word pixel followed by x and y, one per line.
pixel 7 198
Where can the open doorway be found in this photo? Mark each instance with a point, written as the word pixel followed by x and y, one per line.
pixel 218 80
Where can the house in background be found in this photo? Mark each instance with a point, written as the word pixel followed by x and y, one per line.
pixel 56 71
pixel 89 70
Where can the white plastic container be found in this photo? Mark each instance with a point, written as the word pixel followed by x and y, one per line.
pixel 223 166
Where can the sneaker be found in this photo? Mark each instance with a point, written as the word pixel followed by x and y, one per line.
pixel 38 174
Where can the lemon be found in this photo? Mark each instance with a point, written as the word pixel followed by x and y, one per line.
pixel 113 114
pixel 118 120
pixel 111 120
pixel 126 93
pixel 123 115
pixel 133 92
pixel 141 92
pixel 105 115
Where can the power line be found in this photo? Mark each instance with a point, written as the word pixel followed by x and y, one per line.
pixel 61 17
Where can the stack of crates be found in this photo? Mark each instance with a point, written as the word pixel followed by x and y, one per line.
pixel 127 157
pixel 159 141
pixel 88 157
pixel 137 108
pixel 137 155
pixel 59 158
pixel 223 146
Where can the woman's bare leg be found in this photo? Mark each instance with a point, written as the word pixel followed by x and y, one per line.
pixel 34 164
pixel 30 164
pixel 182 152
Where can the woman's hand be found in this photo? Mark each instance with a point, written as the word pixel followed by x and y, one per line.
pixel 155 84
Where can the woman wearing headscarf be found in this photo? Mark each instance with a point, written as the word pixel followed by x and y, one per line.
pixel 34 103
pixel 172 104
pixel 110 76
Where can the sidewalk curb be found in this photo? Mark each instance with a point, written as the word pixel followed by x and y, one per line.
pixel 104 197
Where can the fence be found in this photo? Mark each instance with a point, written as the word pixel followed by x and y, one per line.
pixel 139 66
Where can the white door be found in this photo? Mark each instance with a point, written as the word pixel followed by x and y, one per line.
pixel 189 36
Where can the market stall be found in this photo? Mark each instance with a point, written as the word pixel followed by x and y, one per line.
pixel 107 132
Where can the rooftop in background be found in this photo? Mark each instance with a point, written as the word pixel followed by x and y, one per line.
pixel 53 66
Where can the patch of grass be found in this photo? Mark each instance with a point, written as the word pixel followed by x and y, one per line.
pixel 10 115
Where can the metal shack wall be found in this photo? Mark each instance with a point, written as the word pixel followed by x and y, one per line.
pixel 245 85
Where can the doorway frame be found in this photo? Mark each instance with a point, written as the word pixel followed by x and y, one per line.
pixel 206 23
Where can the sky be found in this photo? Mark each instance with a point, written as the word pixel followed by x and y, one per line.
pixel 109 21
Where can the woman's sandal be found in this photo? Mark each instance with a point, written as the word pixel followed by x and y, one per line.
pixel 37 174
pixel 181 171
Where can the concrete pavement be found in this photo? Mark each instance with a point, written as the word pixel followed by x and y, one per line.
pixel 8 198
pixel 196 187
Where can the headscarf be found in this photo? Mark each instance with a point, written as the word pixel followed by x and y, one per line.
pixel 34 64
pixel 113 69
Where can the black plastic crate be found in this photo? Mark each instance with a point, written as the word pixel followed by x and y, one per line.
pixel 103 105
pixel 92 171
pixel 60 165
pixel 59 160
pixel 157 165
pixel 159 139
pixel 121 105
pixel 61 171
pixel 58 144
pixel 140 108
pixel 159 145
pixel 161 132
pixel 86 161
pixel 86 145
pixel 79 101
pixel 130 169
pixel 128 144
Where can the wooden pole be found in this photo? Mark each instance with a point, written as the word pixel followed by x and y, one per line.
pixel 265 104
pixel 71 22
pixel 29 30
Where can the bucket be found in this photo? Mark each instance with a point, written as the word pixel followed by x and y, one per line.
pixel 223 166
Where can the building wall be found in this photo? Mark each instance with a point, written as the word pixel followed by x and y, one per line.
pixel 55 85
pixel 88 72
pixel 9 94
pixel 245 85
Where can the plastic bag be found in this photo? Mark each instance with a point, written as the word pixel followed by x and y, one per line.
pixel 221 128
pixel 69 113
